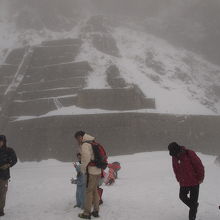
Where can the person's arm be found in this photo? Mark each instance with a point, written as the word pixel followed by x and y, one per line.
pixel 197 165
pixel 11 161
pixel 86 157
pixel 12 158
pixel 175 170
pixel 78 169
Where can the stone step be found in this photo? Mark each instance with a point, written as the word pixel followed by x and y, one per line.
pixel 6 79
pixel 68 82
pixel 46 93
pixel 39 107
pixel 53 55
pixel 57 72
pixel 13 85
pixel 114 99
pixel 68 101
pixel 8 70
pixel 62 42
pixel 32 108
pixel 15 56
pixel 1 98
pixel 3 88
pixel 61 68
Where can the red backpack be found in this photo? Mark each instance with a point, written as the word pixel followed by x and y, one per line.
pixel 100 156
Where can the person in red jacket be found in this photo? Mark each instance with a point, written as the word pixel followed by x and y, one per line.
pixel 189 172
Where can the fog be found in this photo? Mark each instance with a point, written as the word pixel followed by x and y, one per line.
pixel 155 68
pixel 193 24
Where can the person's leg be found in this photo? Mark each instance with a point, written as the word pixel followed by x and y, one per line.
pixel 84 191
pixel 194 196
pixel 89 194
pixel 82 197
pixel 78 203
pixel 96 197
pixel 183 195
pixel 3 192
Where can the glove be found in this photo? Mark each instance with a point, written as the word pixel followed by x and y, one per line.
pixel 75 164
pixel 5 167
pixel 200 182
pixel 73 181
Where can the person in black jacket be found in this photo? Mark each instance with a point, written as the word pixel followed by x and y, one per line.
pixel 8 159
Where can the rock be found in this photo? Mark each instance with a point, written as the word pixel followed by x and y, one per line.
pixel 114 79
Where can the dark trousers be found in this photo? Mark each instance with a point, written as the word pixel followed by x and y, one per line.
pixel 3 192
pixel 190 196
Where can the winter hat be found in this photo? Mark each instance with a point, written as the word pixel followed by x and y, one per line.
pixel 3 138
pixel 79 134
pixel 174 149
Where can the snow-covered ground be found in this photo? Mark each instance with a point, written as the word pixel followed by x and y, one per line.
pixel 146 189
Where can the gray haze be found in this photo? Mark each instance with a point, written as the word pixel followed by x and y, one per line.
pixel 193 24
pixel 32 86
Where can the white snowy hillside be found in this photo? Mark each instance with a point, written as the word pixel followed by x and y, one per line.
pixel 146 189
pixel 181 82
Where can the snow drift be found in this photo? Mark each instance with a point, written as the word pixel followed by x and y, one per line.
pixel 146 189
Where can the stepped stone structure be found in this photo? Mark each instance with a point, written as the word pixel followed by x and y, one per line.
pixel 52 77
pixel 36 81
pixel 45 78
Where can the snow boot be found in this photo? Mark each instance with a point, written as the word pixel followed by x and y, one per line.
pixel 83 216
pixel 193 212
pixel 95 214
pixel 2 214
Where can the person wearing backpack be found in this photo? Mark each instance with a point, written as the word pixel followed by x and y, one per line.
pixel 190 173
pixel 93 161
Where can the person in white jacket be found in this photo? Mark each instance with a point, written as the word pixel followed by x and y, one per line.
pixel 93 175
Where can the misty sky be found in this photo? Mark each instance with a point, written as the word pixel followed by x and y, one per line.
pixel 193 24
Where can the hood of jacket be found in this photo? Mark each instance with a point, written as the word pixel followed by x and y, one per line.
pixel 88 138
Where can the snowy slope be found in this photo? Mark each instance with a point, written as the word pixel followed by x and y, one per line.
pixel 11 38
pixel 180 81
pixel 146 189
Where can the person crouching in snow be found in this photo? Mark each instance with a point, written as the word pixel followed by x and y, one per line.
pixel 81 184
pixel 110 176
pixel 190 173
pixel 116 166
